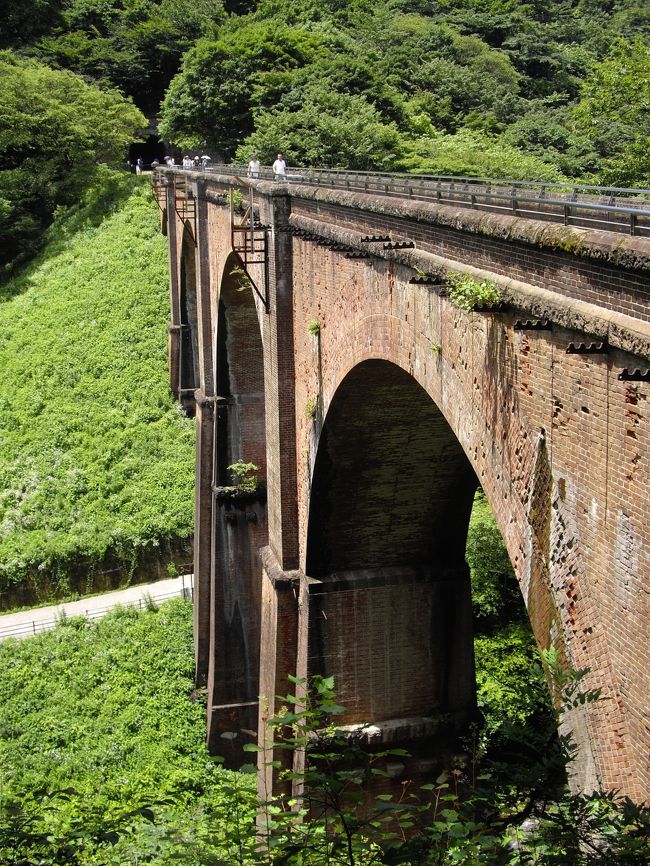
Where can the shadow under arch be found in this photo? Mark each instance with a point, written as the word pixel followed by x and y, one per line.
pixel 239 374
pixel 163 223
pixel 390 602
pixel 240 519
pixel 188 365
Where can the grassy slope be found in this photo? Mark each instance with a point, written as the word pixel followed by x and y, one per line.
pixel 104 710
pixel 94 454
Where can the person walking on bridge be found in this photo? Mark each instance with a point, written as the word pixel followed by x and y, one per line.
pixel 254 166
pixel 280 168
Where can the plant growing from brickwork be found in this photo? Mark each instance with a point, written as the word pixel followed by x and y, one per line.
pixel 469 294
pixel 244 476
pixel 236 199
pixel 314 327
pixel 241 277
pixel 311 408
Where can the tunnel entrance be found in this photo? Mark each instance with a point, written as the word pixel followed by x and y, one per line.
pixel 148 150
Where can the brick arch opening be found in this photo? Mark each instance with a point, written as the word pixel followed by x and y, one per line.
pixel 240 518
pixel 389 599
pixel 240 374
pixel 189 349
pixel 163 223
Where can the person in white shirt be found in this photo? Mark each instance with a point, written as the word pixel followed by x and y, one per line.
pixel 254 167
pixel 280 168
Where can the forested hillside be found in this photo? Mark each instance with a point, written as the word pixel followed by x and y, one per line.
pixel 548 89
pixel 537 89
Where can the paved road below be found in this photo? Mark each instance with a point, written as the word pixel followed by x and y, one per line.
pixel 37 619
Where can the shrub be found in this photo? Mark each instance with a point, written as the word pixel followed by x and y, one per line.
pixel 466 293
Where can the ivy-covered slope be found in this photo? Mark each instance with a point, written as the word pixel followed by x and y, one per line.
pixel 96 459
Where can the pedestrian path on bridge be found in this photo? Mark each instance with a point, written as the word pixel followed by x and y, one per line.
pixel 26 623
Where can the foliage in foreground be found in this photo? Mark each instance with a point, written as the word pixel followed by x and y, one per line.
pixel 467 816
pixel 95 456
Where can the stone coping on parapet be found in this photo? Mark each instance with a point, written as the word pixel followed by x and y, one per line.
pixel 617 329
pixel 623 251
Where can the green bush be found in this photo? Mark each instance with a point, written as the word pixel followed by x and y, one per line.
pixel 466 293
pixel 54 129
pixel 102 747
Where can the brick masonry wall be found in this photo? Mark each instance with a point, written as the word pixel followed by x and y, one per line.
pixel 499 389
pixel 610 287
pixel 558 442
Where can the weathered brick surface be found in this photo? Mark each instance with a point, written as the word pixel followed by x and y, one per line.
pixel 558 442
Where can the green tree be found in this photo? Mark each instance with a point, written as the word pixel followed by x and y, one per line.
pixel 21 23
pixel 54 128
pixel 329 129
pixel 210 101
pixel 131 45
pixel 613 114
pixel 474 153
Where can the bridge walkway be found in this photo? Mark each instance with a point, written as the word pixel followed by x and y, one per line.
pixel 614 209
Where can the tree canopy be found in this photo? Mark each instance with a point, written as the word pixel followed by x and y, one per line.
pixel 54 129
pixel 463 87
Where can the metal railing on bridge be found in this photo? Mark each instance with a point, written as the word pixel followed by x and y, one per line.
pixel 616 209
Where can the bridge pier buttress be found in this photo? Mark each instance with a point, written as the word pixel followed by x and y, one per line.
pixel 204 399
pixel 255 424
pixel 280 578
pixel 174 328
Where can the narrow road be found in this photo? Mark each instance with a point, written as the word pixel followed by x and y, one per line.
pixel 35 620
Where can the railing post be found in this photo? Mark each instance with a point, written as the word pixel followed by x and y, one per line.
pixel 566 214
pixel 633 221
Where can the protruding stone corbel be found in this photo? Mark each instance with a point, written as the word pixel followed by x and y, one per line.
pixel 205 402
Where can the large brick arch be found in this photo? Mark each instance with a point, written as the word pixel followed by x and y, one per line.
pixel 391 484
pixel 189 327
pixel 239 521
pixel 532 517
pixel 389 597
pixel 240 374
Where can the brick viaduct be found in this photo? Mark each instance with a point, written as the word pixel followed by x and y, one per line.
pixel 373 407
